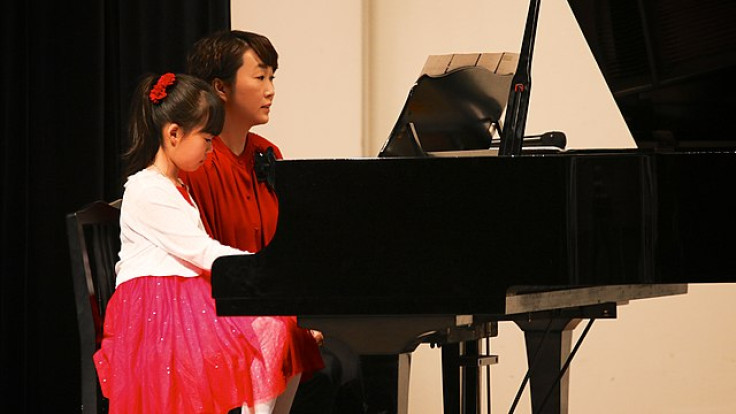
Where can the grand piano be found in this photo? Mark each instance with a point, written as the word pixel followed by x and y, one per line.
pixel 449 231
pixel 393 249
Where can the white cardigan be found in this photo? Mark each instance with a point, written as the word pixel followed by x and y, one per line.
pixel 161 234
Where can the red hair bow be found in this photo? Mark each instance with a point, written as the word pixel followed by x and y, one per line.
pixel 158 92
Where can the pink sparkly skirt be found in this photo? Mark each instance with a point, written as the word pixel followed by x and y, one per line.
pixel 165 350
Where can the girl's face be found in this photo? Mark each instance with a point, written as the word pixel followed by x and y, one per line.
pixel 248 100
pixel 191 149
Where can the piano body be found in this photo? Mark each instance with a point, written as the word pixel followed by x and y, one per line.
pixel 385 253
pixel 438 239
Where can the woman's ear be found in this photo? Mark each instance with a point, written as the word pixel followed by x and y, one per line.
pixel 220 88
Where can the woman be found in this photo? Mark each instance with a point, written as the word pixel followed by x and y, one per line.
pixel 238 207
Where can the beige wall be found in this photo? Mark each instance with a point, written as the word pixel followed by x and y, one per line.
pixel 317 110
pixel 346 68
pixel 568 91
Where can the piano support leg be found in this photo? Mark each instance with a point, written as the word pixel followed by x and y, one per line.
pixel 548 345
pixel 548 336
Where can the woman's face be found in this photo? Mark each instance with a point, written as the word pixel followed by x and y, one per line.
pixel 249 98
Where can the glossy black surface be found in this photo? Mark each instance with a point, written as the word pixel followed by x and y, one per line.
pixel 671 68
pixel 414 236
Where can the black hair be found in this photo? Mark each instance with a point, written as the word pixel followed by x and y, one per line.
pixel 219 55
pixel 189 102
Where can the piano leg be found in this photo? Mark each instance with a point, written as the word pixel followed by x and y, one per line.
pixel 548 346
pixel 548 336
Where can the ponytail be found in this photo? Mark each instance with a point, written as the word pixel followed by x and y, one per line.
pixel 182 99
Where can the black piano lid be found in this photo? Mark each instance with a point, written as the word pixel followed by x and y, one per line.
pixel 670 65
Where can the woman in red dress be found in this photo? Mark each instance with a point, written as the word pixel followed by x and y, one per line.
pixel 237 206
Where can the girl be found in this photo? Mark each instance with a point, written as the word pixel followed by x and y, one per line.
pixel 164 348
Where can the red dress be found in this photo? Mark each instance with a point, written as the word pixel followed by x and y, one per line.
pixel 240 211
pixel 237 209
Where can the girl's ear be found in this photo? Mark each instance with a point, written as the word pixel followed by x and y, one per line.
pixel 220 88
pixel 172 134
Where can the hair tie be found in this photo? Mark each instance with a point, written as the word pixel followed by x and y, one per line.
pixel 158 92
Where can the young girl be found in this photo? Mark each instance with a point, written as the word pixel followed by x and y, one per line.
pixel 165 350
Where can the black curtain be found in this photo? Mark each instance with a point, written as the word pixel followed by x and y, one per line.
pixel 68 70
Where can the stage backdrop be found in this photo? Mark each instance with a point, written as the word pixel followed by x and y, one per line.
pixel 68 69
